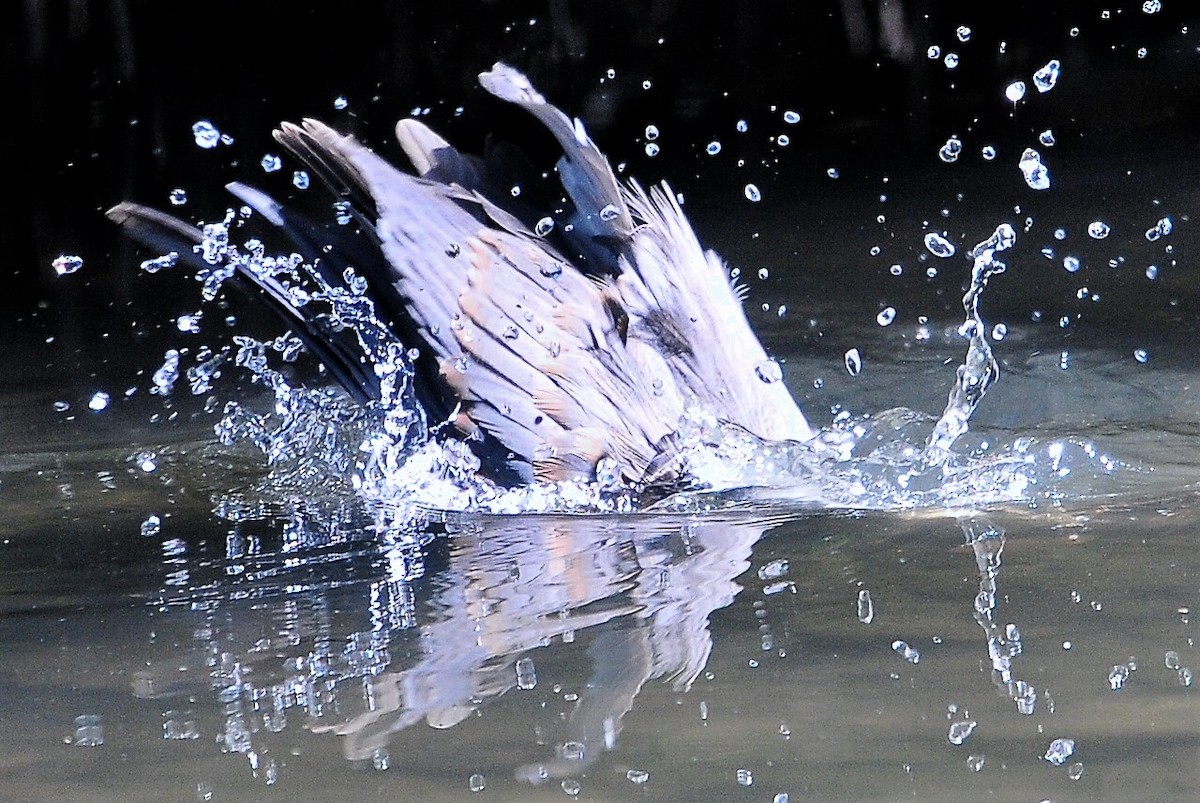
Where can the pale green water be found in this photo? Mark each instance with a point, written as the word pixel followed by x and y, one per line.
pixel 274 660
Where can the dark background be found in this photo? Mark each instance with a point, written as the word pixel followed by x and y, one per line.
pixel 100 97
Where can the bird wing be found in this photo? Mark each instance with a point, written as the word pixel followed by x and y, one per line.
pixel 534 350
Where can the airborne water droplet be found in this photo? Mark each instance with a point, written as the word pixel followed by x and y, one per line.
pixel 752 193
pixel 1036 174
pixel 866 609
pixel 961 731
pixel 205 134
pixel 1098 230
pixel 938 245
pixel 886 316
pixel 66 264
pixel 1059 751
pixel 853 362
pixel 544 226
pixel 950 150
pixel 1015 91
pixel 1045 78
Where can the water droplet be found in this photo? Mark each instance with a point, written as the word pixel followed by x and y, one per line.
pixel 66 264
pixel 1036 174
pixel 975 762
pixel 886 316
pixel 866 608
pixel 752 193
pixel 651 132
pixel 781 797
pixel 938 245
pixel 906 652
pixel 637 776
pixel 1015 91
pixel 1046 77
pixel 178 197
pixel 934 52
pixel 151 526
pixel 1171 659
pixel 271 163
pixel 1071 263
pixel 1151 6
pixel 853 362
pixel 1098 230
pixel 784 140
pixel 526 674
pixel 1142 52
pixel 300 179
pixel 832 172
pixel 989 153
pixel 609 212
pixel 713 148
pixel 652 149
pixel 544 226
pixel 188 324
pixel 1074 32
pixel 646 84
pixel 791 117
pixel 896 270
pixel 999 332
pixel 742 126
pixel 961 731
pixel 1059 751
pixel 768 371
pixel 951 61
pixel 1185 676
pixel 1141 355
pixel 1046 138
pixel 950 150
pixel 1152 272
pixel 1075 771
pixel 745 777
pixel 963 33
pixel 99 401
pixel 205 134
pixel 89 731
pixel 1164 226
pixel 160 263
pixel 1117 677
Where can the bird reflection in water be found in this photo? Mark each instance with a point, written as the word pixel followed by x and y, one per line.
pixel 439 648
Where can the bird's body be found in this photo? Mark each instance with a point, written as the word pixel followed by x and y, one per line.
pixel 554 346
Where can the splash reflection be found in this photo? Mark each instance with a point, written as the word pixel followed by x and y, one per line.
pixel 366 643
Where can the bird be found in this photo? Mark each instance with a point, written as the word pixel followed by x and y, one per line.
pixel 558 347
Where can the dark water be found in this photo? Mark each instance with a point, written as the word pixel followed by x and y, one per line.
pixel 234 654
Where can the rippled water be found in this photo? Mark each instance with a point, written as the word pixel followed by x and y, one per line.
pixel 906 610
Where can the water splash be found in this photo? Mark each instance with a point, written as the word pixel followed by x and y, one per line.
pixel 979 370
pixel 320 447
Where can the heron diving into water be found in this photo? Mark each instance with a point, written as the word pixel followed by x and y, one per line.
pixel 552 349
